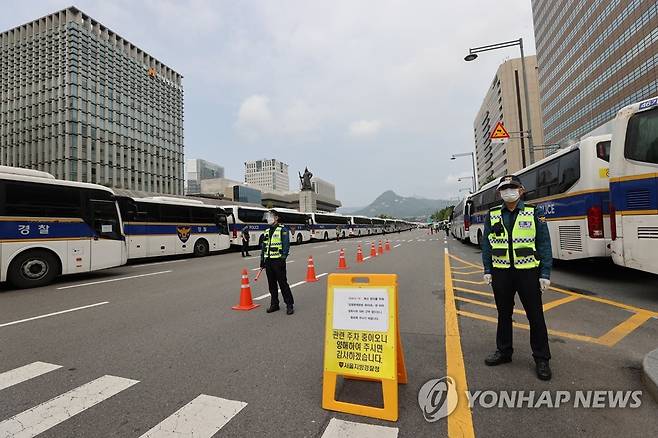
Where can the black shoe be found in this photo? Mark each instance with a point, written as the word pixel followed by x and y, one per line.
pixel 248 255
pixel 272 309
pixel 497 358
pixel 290 311
pixel 543 370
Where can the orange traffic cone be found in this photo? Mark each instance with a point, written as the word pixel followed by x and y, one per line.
pixel 388 246
pixel 359 255
pixel 380 248
pixel 342 264
pixel 246 303
pixel 310 270
pixel 373 251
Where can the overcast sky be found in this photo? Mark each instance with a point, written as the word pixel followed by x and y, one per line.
pixel 370 95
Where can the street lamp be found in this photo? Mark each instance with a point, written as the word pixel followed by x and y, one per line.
pixel 466 154
pixel 472 56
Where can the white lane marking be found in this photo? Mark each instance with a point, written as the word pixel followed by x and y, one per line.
pixel 331 252
pixel 262 297
pixel 40 418
pixel 290 261
pixel 397 245
pixel 422 240
pixel 202 417
pixel 6 324
pixel 252 257
pixel 322 275
pixel 256 269
pixel 297 284
pixel 366 258
pixel 113 279
pixel 24 373
pixel 159 263
pixel 349 429
pixel 320 246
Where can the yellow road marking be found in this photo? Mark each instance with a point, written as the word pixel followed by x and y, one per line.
pixel 485 304
pixel 460 422
pixel 623 329
pixel 465 262
pixel 468 281
pixel 527 327
pixel 553 304
pixel 469 273
pixel 471 291
pixel 606 301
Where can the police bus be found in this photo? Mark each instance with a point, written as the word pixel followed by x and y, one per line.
pixel 298 223
pixel 634 186
pixel 50 227
pixel 325 226
pixel 570 189
pixel 252 218
pixel 377 225
pixel 164 226
pixel 459 221
pixel 360 225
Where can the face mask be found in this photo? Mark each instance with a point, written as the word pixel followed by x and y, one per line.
pixel 510 195
pixel 269 218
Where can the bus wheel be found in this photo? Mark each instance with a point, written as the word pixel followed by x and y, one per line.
pixel 33 268
pixel 299 239
pixel 201 248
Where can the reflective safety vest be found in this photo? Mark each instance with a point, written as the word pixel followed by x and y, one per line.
pixel 274 244
pixel 522 240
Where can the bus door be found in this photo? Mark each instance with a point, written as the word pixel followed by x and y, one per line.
pixel 108 246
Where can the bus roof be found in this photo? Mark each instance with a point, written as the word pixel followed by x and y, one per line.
pixel 172 201
pixel 51 181
pixel 25 172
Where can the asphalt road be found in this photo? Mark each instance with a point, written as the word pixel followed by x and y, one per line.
pixel 167 335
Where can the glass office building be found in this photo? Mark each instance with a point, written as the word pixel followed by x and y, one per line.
pixel 594 57
pixel 80 102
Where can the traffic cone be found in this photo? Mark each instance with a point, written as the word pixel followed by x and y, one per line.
pixel 359 255
pixel 388 246
pixel 310 271
pixel 246 303
pixel 380 248
pixel 342 264
pixel 373 251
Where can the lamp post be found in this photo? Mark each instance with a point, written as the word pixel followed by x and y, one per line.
pixel 472 55
pixel 466 154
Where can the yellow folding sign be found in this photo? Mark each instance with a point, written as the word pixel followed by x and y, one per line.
pixel 362 340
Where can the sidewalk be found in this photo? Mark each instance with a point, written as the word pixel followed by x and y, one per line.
pixel 650 372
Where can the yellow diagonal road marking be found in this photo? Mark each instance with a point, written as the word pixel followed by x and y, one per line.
pixel 460 422
pixel 555 303
pixel 471 291
pixel 623 329
pixel 485 304
pixel 468 281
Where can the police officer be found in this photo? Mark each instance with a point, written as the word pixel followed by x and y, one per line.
pixel 516 254
pixel 274 251
pixel 245 241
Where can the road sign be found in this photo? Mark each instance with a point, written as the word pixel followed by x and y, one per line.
pixel 499 134
pixel 362 340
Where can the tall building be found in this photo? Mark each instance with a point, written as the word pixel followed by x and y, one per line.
pixel 197 170
pixel 505 102
pixel 267 174
pixel 594 58
pixel 81 102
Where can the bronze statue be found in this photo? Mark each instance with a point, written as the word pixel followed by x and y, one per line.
pixel 305 179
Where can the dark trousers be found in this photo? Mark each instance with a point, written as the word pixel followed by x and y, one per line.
pixel 506 283
pixel 245 248
pixel 277 279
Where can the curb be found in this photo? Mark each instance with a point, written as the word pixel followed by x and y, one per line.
pixel 650 372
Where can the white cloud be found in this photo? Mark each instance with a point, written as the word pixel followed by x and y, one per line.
pixel 365 128
pixel 254 117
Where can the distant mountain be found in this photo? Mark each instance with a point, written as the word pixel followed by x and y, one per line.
pixel 348 210
pixel 398 206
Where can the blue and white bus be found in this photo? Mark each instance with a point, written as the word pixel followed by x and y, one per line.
pixel 378 225
pixel 298 223
pixel 325 226
pixel 570 189
pixel 634 186
pixel 460 221
pixel 164 226
pixel 360 226
pixel 252 218
pixel 50 227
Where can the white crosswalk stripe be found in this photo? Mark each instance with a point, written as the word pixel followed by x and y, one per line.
pixel 24 373
pixel 40 418
pixel 202 417
pixel 349 429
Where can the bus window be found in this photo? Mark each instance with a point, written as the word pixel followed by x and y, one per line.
pixel 222 223
pixel 547 178
pixel 603 150
pixel 642 137
pixel 203 215
pixel 529 181
pixel 105 219
pixel 248 215
pixel 174 213
pixel 30 199
pixel 570 170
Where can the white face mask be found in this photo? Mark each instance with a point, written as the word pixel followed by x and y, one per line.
pixel 269 218
pixel 510 195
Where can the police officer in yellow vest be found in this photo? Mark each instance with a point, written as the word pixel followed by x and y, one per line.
pixel 516 254
pixel 274 251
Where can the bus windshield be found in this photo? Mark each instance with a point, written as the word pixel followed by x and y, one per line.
pixel 642 137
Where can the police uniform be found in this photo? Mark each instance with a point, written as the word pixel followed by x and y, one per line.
pixel 275 249
pixel 516 251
